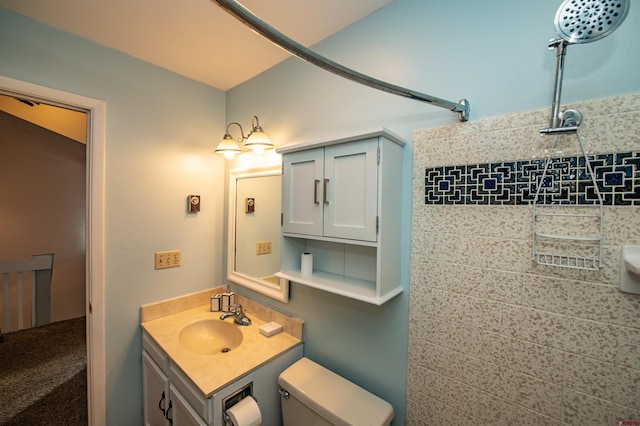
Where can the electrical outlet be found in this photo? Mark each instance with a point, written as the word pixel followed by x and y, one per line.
pixel 168 259
pixel 263 247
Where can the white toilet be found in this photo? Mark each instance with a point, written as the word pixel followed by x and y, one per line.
pixel 311 395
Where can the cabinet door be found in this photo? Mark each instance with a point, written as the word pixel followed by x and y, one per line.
pixel 155 392
pixel 351 179
pixel 302 192
pixel 181 413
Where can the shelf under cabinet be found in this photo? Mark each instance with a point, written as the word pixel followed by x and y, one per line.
pixel 339 284
pixel 347 241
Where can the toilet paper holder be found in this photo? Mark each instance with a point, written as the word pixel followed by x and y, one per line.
pixel 234 398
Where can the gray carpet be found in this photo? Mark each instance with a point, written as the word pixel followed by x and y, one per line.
pixel 43 375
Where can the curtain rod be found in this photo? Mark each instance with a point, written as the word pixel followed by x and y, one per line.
pixel 259 26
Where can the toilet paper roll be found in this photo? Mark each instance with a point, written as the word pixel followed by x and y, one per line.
pixel 245 413
pixel 306 263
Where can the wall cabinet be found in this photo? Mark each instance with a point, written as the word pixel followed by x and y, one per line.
pixel 332 191
pixel 170 398
pixel 341 201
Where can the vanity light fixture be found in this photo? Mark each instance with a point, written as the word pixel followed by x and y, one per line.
pixel 256 140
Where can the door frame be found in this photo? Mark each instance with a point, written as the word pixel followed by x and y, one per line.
pixel 95 221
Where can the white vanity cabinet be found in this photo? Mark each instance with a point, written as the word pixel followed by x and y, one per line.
pixel 156 392
pixel 162 402
pixel 341 202
pixel 180 412
pixel 171 398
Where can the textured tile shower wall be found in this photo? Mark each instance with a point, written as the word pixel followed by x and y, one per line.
pixel 495 339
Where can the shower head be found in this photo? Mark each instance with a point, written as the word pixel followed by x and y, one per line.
pixel 584 21
pixel 579 21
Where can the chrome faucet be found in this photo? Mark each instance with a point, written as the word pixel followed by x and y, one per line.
pixel 237 314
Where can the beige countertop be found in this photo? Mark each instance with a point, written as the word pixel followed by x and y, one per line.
pixel 214 371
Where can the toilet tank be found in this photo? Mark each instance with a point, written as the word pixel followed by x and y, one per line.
pixel 318 396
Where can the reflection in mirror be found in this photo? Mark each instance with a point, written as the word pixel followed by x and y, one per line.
pixel 254 237
pixel 257 233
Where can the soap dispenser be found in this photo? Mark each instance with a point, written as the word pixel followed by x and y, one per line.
pixel 630 269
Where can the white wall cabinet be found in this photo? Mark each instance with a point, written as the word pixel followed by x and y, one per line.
pixel 341 202
pixel 171 399
pixel 332 191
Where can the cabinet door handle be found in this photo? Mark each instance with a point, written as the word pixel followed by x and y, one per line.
pixel 161 404
pixel 324 196
pixel 315 191
pixel 169 412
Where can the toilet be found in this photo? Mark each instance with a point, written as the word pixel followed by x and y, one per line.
pixel 313 395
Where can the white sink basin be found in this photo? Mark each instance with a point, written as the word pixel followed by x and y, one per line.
pixel 210 336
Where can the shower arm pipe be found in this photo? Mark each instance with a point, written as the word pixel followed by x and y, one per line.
pixel 560 46
pixel 256 24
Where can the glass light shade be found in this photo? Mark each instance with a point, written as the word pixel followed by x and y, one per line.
pixel 258 141
pixel 228 147
pixel 258 149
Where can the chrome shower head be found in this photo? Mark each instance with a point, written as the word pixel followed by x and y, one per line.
pixel 580 21
pixel 584 21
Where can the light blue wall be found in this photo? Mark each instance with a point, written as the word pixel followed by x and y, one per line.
pixel 159 135
pixel 160 131
pixel 493 53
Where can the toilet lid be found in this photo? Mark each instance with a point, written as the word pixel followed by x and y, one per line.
pixel 334 397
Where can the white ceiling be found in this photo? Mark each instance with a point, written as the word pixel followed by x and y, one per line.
pixel 196 38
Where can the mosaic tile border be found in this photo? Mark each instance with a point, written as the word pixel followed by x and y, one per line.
pixel 515 183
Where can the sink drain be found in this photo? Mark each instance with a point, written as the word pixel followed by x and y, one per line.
pixel 225 350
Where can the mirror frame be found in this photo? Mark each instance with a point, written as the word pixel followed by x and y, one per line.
pixel 281 290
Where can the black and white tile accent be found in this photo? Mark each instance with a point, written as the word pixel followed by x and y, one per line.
pixel 567 181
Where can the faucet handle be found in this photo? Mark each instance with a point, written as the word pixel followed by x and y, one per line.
pixel 238 315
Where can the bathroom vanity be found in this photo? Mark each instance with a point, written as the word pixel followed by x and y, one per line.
pixel 195 365
pixel 341 202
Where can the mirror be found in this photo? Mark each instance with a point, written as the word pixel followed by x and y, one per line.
pixel 254 238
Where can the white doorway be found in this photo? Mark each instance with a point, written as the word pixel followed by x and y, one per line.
pixel 95 166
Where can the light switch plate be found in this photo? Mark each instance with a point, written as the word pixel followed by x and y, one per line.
pixel 168 259
pixel 263 247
